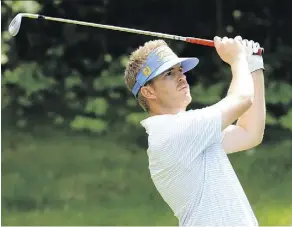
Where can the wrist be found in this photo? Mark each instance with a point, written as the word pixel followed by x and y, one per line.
pixel 258 73
pixel 239 62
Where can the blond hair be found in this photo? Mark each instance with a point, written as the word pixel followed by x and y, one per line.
pixel 136 61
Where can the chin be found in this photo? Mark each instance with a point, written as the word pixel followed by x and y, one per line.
pixel 189 97
pixel 187 100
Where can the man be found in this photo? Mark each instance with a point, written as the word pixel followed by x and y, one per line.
pixel 187 149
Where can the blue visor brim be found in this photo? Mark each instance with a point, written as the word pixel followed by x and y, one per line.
pixel 186 63
pixel 159 61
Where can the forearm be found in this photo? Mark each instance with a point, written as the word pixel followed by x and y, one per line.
pixel 240 94
pixel 242 84
pixel 253 120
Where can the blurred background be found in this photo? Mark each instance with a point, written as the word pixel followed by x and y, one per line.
pixel 73 150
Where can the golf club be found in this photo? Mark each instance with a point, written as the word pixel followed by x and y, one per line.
pixel 16 22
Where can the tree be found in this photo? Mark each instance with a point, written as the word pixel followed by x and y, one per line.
pixel 74 74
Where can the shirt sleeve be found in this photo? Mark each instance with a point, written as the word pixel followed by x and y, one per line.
pixel 181 138
pixel 198 130
pixel 204 125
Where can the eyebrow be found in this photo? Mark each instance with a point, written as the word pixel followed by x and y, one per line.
pixel 172 68
pixel 169 70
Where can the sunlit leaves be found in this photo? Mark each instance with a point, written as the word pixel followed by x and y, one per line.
pixel 207 95
pixel 136 118
pixel 24 6
pixel 80 70
pixel 270 119
pixel 56 51
pixel 237 14
pixel 124 60
pixel 73 81
pixel 97 106
pixel 279 92
pixel 5 46
pixel 81 123
pixel 107 81
pixel 24 101
pixel 29 77
pixel 57 2
pixel 286 121
pixel 108 58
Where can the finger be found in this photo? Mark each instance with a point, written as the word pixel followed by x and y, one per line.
pixel 230 40
pixel 224 40
pixel 256 44
pixel 238 38
pixel 217 41
pixel 244 42
pixel 250 44
pixel 256 47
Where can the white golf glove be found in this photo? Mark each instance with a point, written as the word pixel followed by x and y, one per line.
pixel 255 62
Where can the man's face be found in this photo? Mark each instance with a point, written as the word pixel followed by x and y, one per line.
pixel 171 90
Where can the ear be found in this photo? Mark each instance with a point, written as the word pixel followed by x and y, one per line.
pixel 148 92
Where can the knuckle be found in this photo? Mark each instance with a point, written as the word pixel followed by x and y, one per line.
pixel 238 37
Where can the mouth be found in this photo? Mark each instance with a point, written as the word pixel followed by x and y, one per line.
pixel 184 87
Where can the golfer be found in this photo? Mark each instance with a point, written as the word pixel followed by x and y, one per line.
pixel 188 149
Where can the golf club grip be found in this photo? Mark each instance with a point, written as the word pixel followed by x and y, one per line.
pixel 210 43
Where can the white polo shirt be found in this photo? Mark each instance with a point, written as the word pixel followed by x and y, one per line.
pixel 192 172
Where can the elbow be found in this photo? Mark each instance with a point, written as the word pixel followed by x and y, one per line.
pixel 257 140
pixel 247 99
pixel 259 136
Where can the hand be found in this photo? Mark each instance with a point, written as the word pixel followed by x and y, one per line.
pixel 255 62
pixel 230 50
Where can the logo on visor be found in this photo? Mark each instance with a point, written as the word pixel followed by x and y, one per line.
pixel 163 54
pixel 147 71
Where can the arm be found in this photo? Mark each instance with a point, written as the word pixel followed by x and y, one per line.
pixel 249 129
pixel 241 91
pixel 239 98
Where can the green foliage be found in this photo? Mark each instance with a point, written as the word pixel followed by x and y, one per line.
pixel 286 120
pixel 271 120
pixel 106 81
pixel 77 72
pixel 207 95
pixel 5 47
pixel 279 93
pixel 98 106
pixel 81 123
pixel 29 78
pixel 24 6
pixel 111 77
pixel 24 87
pixel 136 118
pixel 74 80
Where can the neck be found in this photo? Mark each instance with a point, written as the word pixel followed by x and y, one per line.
pixel 165 110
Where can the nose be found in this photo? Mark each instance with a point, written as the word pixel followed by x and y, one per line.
pixel 182 78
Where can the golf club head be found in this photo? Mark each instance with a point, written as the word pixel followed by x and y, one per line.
pixel 14 25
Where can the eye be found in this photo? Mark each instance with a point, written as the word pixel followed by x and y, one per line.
pixel 181 69
pixel 169 73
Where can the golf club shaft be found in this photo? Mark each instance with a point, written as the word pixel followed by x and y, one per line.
pixel 204 42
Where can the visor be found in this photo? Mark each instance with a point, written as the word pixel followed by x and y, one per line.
pixel 160 60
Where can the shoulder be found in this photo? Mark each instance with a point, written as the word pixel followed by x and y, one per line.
pixel 158 123
pixel 162 131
